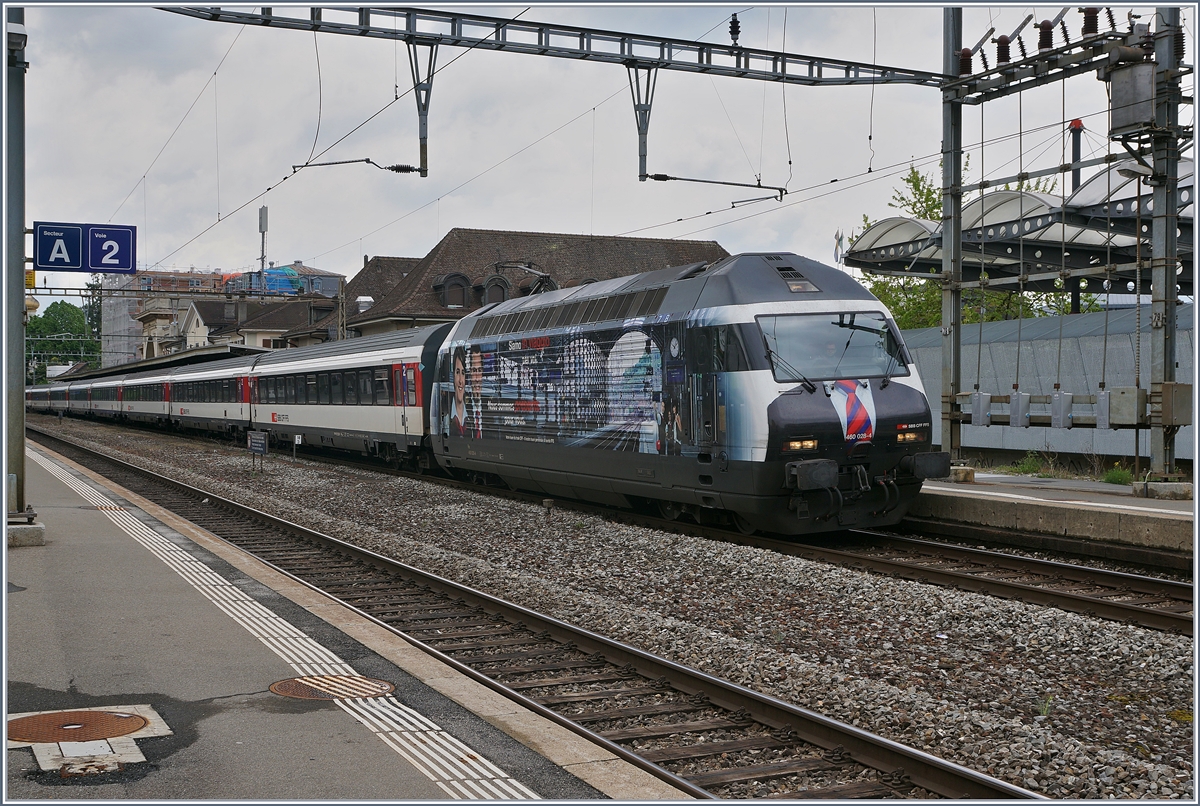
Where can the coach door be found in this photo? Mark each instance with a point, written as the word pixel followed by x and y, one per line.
pixel 408 395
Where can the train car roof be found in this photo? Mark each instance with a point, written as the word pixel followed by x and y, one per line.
pixel 382 342
pixel 736 280
pixel 740 280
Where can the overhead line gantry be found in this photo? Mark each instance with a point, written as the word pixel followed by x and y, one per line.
pixel 425 30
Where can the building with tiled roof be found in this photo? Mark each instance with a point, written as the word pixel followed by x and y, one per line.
pixel 377 277
pixel 470 268
pixel 268 327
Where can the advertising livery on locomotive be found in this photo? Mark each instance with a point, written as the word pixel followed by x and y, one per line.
pixel 764 388
pixel 765 391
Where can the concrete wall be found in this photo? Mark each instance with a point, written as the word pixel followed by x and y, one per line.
pixel 1082 362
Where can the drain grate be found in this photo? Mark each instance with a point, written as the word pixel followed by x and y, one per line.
pixel 73 726
pixel 332 687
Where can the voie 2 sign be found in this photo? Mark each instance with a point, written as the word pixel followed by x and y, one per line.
pixel 103 248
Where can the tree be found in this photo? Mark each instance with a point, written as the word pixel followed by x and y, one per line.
pixel 61 335
pixel 918 303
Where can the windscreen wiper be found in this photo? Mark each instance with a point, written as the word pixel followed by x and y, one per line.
pixel 773 356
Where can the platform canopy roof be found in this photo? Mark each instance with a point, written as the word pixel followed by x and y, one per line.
pixel 1092 233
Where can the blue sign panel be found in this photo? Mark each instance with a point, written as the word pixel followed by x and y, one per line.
pixel 58 246
pixel 112 249
pixel 84 247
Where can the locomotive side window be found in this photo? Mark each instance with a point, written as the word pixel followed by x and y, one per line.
pixel 335 389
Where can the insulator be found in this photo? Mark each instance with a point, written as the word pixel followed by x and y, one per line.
pixel 1112 21
pixel 1091 22
pixel 1003 50
pixel 1066 36
pixel 983 58
pixel 735 29
pixel 1046 35
pixel 1021 45
pixel 1180 46
pixel 964 62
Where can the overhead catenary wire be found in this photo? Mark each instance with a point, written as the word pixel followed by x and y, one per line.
pixel 320 97
pixel 317 156
pixel 217 145
pixel 175 131
pixel 787 138
pixel 871 113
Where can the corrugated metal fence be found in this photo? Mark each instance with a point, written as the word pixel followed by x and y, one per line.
pixel 1084 359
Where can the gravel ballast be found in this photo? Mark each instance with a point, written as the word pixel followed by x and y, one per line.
pixel 1063 704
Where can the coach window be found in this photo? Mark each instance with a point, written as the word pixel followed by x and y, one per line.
pixel 351 388
pixel 335 389
pixel 411 386
pixel 383 387
pixel 310 382
pixel 290 385
pixel 270 390
pixel 366 391
pixel 323 388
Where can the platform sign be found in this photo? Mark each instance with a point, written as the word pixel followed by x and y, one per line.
pixel 257 442
pixel 92 248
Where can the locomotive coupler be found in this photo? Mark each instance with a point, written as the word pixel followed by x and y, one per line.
pixel 811 474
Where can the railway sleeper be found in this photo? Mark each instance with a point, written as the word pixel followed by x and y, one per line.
pixel 603 694
pixel 764 741
pixel 658 709
pixel 762 772
pixel 570 680
pixel 738 720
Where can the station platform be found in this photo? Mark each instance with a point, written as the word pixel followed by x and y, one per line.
pixel 148 660
pixel 1070 508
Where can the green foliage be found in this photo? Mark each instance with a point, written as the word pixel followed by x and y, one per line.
pixel 921 196
pixel 61 335
pixel 1030 465
pixel 1118 475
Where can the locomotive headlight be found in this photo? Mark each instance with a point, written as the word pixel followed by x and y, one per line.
pixel 801 445
pixel 910 436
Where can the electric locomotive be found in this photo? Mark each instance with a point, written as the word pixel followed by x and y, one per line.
pixel 763 390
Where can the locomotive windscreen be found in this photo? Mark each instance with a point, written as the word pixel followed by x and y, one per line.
pixel 827 346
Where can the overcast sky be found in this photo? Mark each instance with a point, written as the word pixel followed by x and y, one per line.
pixel 516 142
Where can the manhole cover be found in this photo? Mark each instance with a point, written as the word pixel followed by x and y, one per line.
pixel 73 726
pixel 332 687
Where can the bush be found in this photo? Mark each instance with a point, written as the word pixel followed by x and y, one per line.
pixel 1118 475
pixel 1030 465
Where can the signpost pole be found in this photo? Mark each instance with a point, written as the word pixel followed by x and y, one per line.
pixel 14 276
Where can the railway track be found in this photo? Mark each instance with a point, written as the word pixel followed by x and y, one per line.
pixel 1145 601
pixel 709 737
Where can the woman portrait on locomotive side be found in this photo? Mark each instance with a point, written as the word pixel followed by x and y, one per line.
pixel 458 409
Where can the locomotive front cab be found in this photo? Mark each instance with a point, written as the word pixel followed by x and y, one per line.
pixel 852 436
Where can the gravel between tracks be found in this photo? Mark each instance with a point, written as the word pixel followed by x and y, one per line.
pixel 1062 704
